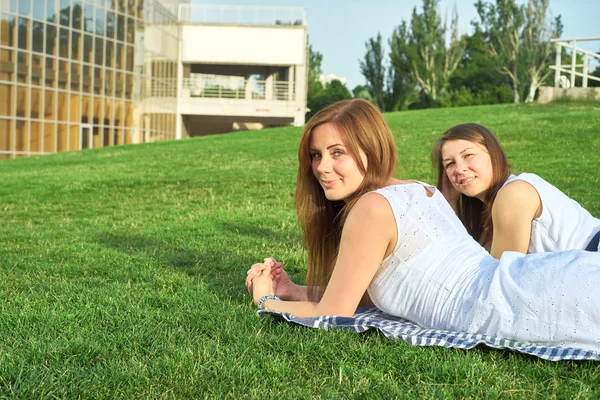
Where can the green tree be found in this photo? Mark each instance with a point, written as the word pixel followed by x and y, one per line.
pixel 502 24
pixel 434 62
pixel 400 78
pixel 361 92
pixel 374 71
pixel 423 52
pixel 476 80
pixel 314 73
pixel 336 91
pixel 332 92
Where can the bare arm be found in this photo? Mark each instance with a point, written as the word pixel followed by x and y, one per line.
pixel 516 206
pixel 283 287
pixel 369 234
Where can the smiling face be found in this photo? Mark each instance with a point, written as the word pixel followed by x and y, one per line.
pixel 468 167
pixel 333 165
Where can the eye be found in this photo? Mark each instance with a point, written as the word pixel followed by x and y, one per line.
pixel 338 153
pixel 469 155
pixel 315 156
pixel 449 165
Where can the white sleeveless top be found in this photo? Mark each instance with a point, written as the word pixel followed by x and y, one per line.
pixel 563 224
pixel 438 277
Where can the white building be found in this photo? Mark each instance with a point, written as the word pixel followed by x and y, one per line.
pixel 240 67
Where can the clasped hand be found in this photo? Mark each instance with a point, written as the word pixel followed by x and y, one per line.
pixel 269 277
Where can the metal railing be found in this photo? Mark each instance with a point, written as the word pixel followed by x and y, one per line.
pixel 242 15
pixel 248 89
pixel 160 88
pixel 574 69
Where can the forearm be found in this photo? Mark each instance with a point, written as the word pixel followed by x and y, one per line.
pixel 302 308
pixel 299 309
pixel 298 293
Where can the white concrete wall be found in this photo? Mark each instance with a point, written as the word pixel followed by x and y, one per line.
pixel 248 45
pixel 547 94
pixel 160 39
pixel 239 108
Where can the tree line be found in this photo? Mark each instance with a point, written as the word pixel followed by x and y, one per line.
pixel 429 64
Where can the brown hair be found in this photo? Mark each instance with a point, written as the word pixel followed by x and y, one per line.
pixel 362 127
pixel 475 214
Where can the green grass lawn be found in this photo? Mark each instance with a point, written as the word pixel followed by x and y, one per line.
pixel 122 270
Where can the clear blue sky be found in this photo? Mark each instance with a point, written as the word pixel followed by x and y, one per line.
pixel 338 29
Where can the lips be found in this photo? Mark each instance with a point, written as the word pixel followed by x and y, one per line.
pixel 466 180
pixel 330 182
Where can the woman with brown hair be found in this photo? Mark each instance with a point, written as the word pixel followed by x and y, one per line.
pixel 507 212
pixel 396 244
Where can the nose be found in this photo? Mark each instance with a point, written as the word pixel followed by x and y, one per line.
pixel 324 165
pixel 460 166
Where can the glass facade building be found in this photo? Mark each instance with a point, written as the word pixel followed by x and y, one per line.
pixel 78 74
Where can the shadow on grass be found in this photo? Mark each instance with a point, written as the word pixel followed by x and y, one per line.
pixel 281 237
pixel 224 270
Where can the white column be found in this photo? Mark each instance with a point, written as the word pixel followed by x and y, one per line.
pixel 248 87
pixel 573 61
pixel 178 117
pixel 585 70
pixel 269 87
pixel 557 64
pixel 290 97
pixel 301 87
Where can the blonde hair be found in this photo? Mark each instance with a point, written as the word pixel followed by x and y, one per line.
pixel 361 126
pixel 475 214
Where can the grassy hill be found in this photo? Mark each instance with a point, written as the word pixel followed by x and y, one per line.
pixel 122 270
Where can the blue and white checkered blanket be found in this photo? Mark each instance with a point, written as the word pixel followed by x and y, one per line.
pixel 398 328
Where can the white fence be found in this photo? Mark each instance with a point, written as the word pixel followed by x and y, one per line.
pixel 590 61
pixel 242 15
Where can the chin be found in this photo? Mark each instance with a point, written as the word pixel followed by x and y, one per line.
pixel 475 194
pixel 469 192
pixel 333 197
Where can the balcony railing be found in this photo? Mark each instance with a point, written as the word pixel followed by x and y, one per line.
pixel 248 89
pixel 242 15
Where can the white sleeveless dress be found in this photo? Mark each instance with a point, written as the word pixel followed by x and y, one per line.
pixel 563 224
pixel 439 277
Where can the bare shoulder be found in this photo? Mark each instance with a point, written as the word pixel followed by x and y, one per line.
pixel 517 191
pixel 518 195
pixel 371 210
pixel 372 205
pixel 371 222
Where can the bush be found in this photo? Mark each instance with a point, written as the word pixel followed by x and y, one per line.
pixel 465 97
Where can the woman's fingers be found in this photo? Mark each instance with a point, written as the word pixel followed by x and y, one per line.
pixel 262 285
pixel 258 267
pixel 273 262
pixel 250 281
pixel 275 267
pixel 249 284
pixel 255 270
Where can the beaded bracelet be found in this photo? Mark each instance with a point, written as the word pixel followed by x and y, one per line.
pixel 264 298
